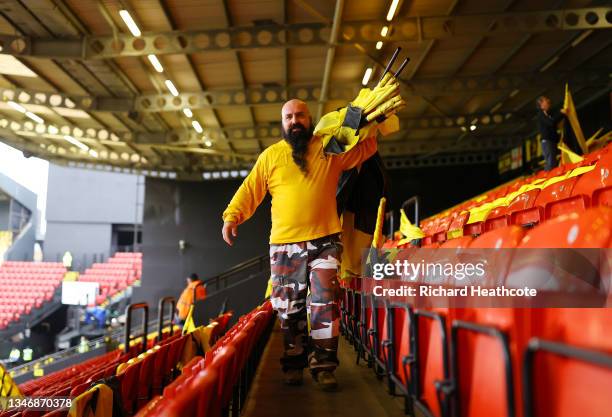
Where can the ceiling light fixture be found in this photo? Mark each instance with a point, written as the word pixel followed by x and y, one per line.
pixel 392 10
pixel 127 18
pixel 582 37
pixel 379 44
pixel 366 76
pixel 188 112
pixel 155 62
pixel 17 106
pixel 34 117
pixel 197 126
pixel 171 88
pixel 549 63
pixel 384 31
pixel 75 142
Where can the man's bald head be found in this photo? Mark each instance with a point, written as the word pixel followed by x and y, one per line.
pixel 295 111
pixel 297 130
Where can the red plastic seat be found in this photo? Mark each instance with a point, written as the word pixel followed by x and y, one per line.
pixel 128 380
pixel 224 363
pixel 431 360
pixel 505 237
pixel 486 347
pixel 402 354
pixel 458 242
pixel 590 229
pixel 159 367
pixel 196 399
pixel 602 196
pixel 599 177
pixel 573 331
pixel 145 380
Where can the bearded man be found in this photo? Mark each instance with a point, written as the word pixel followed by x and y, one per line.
pixel 305 246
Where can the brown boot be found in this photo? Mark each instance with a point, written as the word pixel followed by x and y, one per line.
pixel 294 377
pixel 327 381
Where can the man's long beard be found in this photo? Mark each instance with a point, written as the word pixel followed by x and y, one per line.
pixel 299 137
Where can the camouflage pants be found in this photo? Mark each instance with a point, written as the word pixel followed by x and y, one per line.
pixel 295 268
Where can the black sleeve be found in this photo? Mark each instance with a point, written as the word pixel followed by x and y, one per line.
pixel 544 122
pixel 557 117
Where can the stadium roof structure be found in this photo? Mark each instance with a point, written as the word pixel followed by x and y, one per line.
pixel 188 86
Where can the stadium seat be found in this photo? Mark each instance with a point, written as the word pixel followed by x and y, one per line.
pixel 562 380
pixel 590 229
pixel 128 380
pixel 458 243
pixel 486 346
pixel 196 398
pixel 602 196
pixel 554 198
pixel 505 237
pixel 400 352
pixel 145 380
pixel 432 362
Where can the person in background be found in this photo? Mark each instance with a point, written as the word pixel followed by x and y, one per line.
pixel 67 260
pixel 547 125
pixel 186 299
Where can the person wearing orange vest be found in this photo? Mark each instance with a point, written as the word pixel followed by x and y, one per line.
pixel 186 299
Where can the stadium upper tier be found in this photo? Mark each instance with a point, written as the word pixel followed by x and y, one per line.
pixel 115 275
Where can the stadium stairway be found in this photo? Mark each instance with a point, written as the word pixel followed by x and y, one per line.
pixel 360 392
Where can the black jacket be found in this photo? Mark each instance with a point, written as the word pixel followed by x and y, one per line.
pixel 360 191
pixel 547 125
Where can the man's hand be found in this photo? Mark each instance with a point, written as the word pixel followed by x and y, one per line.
pixel 230 229
pixel 564 111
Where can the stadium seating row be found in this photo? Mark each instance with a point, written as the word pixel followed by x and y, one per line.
pixel 135 375
pixel 209 386
pixel 472 362
pixel 487 361
pixel 116 275
pixel 25 286
pixel 528 201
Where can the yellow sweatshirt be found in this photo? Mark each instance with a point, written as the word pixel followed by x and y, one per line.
pixel 303 207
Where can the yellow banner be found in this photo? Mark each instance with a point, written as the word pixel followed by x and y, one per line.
pixel 8 388
pixel 572 116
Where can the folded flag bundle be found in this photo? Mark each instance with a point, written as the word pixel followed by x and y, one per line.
pixel 342 129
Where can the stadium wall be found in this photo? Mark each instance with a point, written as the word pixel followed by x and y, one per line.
pixel 5 206
pixel 191 211
pixel 82 206
pixel 23 244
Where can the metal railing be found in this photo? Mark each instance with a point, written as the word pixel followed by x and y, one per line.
pixel 250 267
pixel 244 271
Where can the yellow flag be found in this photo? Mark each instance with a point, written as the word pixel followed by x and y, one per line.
pixel 377 239
pixel 269 289
pixel 572 116
pixel 189 325
pixel 408 230
pixel 568 155
pixel 8 388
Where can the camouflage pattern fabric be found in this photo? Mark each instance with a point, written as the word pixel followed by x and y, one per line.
pixel 296 267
